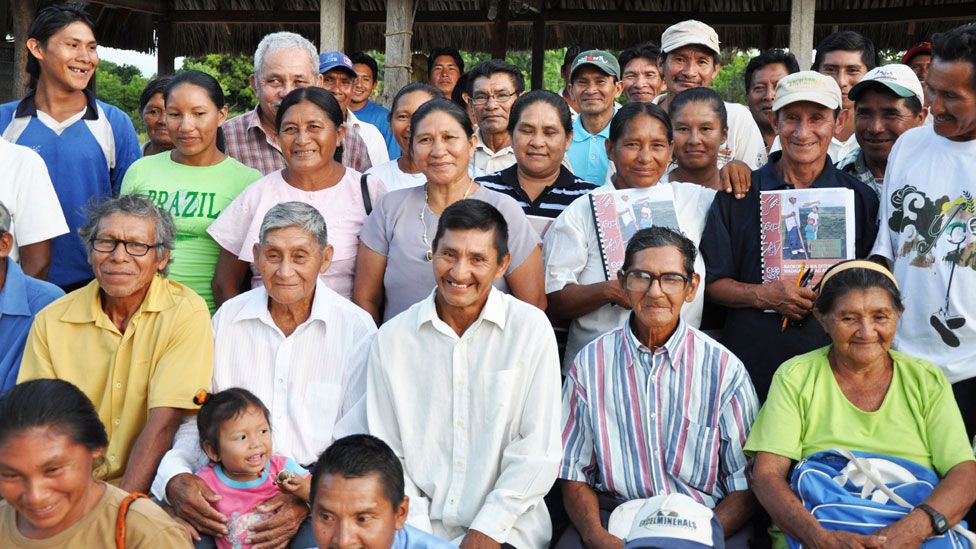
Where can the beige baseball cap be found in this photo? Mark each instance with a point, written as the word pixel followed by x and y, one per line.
pixel 807 86
pixel 687 33
pixel 898 78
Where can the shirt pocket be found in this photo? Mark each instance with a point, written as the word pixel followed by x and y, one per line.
pixel 693 458
pixel 323 401
pixel 498 395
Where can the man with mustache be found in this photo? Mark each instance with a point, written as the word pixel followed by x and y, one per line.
pixel 887 103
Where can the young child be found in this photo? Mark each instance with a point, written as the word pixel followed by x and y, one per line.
pixel 236 435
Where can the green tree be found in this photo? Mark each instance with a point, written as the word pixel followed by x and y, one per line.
pixel 121 85
pixel 729 82
pixel 233 72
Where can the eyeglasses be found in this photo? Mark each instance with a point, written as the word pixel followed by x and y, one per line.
pixel 135 249
pixel 641 281
pixel 482 99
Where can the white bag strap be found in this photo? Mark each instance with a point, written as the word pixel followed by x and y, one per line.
pixel 865 468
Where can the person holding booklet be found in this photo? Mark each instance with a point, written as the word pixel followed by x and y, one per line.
pixel 577 284
pixel 806 109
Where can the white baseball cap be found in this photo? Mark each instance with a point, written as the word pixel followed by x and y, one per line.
pixel 690 32
pixel 675 521
pixel 807 86
pixel 898 78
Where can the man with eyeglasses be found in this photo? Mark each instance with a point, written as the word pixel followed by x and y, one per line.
pixel 493 86
pixel 138 344
pixel 628 397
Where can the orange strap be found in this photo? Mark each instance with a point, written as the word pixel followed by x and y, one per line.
pixel 120 521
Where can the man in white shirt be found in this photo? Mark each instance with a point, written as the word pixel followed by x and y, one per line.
pixel 37 217
pixel 464 386
pixel 338 74
pixel 297 345
pixel 493 87
pixel 928 221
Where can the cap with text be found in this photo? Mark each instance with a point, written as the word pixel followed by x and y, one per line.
pixel 675 521
pixel 689 33
pixel 900 79
pixel 601 60
pixel 807 86
pixel 335 60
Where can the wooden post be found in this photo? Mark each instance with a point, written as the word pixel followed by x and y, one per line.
pixel 499 31
pixel 802 13
pixel 332 22
pixel 399 29
pixel 538 51
pixel 23 14
pixel 165 41
pixel 768 35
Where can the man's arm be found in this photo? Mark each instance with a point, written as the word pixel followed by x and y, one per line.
pixel 783 297
pixel 576 300
pixel 583 507
pixel 35 259
pixel 156 438
pixel 735 510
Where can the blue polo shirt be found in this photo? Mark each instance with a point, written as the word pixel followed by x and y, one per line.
pixel 379 116
pixel 86 156
pixel 588 153
pixel 20 299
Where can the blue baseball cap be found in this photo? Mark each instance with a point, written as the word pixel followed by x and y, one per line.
pixel 335 60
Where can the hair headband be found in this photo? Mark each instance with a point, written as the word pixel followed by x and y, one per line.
pixel 857 264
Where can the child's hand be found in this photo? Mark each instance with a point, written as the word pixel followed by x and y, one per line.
pixel 291 483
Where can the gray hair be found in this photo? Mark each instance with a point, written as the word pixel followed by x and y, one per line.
pixel 284 41
pixel 135 205
pixel 5 220
pixel 294 214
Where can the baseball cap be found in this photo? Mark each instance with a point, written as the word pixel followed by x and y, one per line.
pixel 807 86
pixel 673 521
pixel 602 60
pixel 690 32
pixel 333 60
pixel 898 78
pixel 922 48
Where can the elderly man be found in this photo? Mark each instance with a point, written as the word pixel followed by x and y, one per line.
pixel 29 196
pixel 595 80
pixel 763 72
pixel 138 344
pixel 338 74
pixel 283 62
pixel 888 101
pixel 21 297
pixel 493 87
pixel 919 58
pixel 367 78
pixel 305 348
pixel 360 476
pixel 805 114
pixel 615 443
pixel 464 386
pixel 689 59
pixel 927 221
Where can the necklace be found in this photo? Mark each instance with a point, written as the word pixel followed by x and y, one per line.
pixel 429 254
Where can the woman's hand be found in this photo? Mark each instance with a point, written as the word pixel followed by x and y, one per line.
pixel 847 540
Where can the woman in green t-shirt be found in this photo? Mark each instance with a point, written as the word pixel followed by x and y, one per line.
pixel 194 181
pixel 858 394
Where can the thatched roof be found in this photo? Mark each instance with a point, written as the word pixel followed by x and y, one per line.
pixel 237 25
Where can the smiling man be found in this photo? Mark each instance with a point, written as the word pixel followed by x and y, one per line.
pixel 464 386
pixel 641 76
pixel 595 78
pixel 339 76
pixel 845 56
pixel 887 103
pixel 367 78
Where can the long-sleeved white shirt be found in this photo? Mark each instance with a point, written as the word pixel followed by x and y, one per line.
pixel 312 381
pixel 475 419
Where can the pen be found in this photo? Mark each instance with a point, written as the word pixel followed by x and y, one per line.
pixel 799 282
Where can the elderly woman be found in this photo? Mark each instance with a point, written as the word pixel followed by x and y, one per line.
pixel 700 128
pixel 393 268
pixel 403 172
pixel 152 110
pixel 305 347
pixel 310 131
pixel 51 440
pixel 542 130
pixel 859 394
pixel 640 144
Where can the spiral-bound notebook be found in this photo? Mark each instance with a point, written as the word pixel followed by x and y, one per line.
pixel 812 227
pixel 620 214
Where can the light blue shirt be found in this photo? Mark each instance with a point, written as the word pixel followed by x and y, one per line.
pixel 20 299
pixel 588 154
pixel 415 538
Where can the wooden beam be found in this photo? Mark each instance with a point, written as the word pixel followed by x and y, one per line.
pixel 499 31
pixel 165 43
pixel 154 7
pixel 538 51
pixel 398 70
pixel 802 13
pixel 332 22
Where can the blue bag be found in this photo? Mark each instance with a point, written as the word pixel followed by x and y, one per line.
pixel 861 492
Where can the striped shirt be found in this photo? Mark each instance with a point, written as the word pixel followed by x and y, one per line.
pixel 639 423
pixel 247 142
pixel 551 202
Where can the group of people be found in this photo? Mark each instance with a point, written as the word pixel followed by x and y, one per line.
pixel 323 323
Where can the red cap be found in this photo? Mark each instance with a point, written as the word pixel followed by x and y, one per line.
pixel 917 49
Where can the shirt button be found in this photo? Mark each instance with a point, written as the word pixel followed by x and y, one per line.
pixel 118 385
pixel 118 421
pixel 111 458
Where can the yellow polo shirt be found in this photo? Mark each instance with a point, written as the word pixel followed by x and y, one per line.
pixel 164 357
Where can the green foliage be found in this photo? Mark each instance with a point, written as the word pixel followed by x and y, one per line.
pixel 233 73
pixel 729 81
pixel 121 85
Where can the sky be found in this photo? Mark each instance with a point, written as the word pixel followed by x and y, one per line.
pixel 144 61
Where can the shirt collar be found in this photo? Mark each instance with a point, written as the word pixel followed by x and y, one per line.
pixel 26 107
pixel 579 131
pixel 88 307
pixel 672 347
pixel 493 311
pixel 13 296
pixel 479 145
pixel 351 118
pixel 772 181
pixel 257 306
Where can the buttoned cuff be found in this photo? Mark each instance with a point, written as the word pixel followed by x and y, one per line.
pixel 494 522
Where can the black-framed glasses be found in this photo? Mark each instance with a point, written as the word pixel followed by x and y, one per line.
pixel 483 98
pixel 135 249
pixel 637 280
